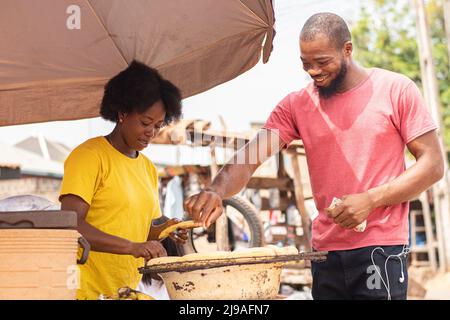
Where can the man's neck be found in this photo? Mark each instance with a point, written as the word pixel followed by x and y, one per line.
pixel 355 75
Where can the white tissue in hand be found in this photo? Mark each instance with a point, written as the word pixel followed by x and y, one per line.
pixel 360 227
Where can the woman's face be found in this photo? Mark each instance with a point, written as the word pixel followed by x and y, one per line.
pixel 138 129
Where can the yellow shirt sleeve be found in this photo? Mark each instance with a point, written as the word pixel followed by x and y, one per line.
pixel 82 174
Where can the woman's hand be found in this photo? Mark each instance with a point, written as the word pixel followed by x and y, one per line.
pixel 180 236
pixel 148 250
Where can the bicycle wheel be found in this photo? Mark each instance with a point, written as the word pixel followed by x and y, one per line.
pixel 244 228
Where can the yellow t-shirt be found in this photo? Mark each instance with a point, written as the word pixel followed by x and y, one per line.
pixel 123 196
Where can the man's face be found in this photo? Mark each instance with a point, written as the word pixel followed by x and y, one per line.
pixel 138 129
pixel 326 64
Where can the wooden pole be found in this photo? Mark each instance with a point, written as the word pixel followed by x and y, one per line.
pixel 300 199
pixel 222 240
pixel 446 4
pixel 423 198
pixel 431 94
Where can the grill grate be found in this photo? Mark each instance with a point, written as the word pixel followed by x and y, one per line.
pixel 186 266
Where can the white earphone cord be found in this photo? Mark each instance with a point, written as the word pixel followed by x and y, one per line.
pixel 386 284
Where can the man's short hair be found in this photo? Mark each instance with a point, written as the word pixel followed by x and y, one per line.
pixel 329 24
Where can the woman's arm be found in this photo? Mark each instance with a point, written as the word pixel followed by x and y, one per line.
pixel 104 242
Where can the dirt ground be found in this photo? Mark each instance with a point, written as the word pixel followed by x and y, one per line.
pixel 425 285
pixel 438 288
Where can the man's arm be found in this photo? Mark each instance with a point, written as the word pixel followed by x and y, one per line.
pixel 428 169
pixel 206 206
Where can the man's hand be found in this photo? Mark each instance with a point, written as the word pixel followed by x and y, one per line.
pixel 204 207
pixel 353 210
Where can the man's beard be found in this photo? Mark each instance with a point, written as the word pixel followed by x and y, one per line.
pixel 335 85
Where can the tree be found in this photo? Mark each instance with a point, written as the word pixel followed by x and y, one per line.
pixel 385 37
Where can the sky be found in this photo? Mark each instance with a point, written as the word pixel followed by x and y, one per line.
pixel 245 99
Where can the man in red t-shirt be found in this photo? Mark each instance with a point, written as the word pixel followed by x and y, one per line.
pixel 354 123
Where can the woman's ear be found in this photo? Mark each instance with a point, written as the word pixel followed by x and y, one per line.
pixel 121 117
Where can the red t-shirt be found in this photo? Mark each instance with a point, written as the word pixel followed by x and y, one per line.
pixel 355 141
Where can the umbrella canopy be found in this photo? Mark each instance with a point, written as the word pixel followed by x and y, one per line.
pixel 56 56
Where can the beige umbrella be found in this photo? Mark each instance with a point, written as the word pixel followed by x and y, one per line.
pixel 55 56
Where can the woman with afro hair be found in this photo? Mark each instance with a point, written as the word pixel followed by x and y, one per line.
pixel 113 187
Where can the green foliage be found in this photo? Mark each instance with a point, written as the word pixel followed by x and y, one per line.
pixel 385 37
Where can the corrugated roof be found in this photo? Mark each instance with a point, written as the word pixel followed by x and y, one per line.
pixel 47 149
pixel 29 162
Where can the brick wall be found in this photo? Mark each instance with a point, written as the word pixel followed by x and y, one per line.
pixel 45 187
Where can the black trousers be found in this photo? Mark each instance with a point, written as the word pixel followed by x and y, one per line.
pixel 350 274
